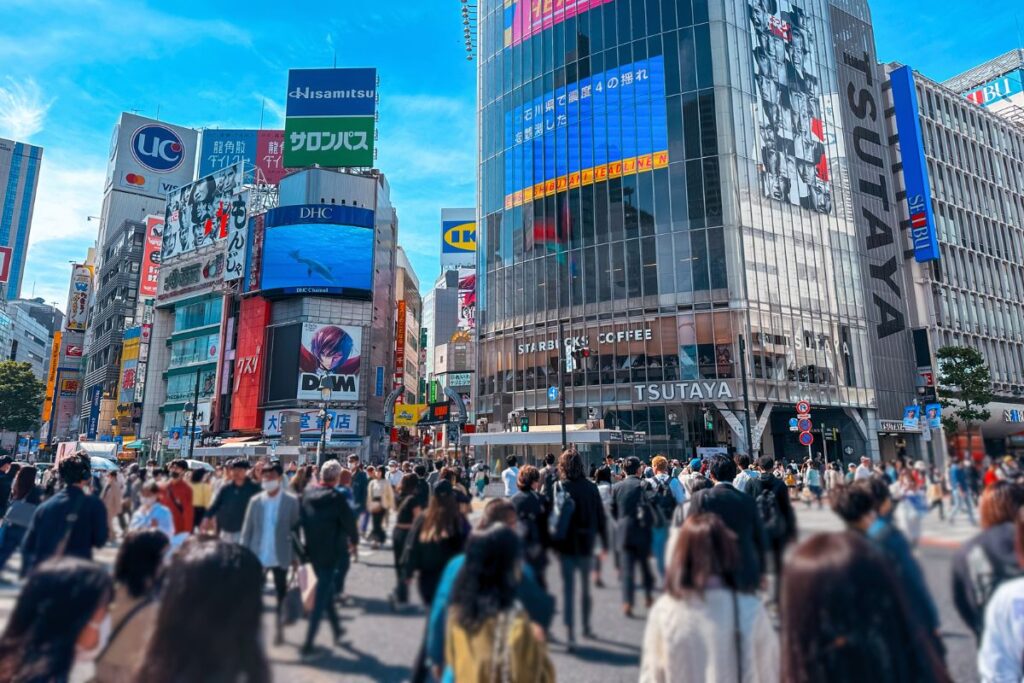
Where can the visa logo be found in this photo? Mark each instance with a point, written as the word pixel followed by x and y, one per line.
pixel 459 237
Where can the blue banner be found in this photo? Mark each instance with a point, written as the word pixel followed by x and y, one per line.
pixel 222 148
pixel 332 92
pixel 933 414
pixel 334 214
pixel 604 126
pixel 94 412
pixel 915 170
pixel 910 420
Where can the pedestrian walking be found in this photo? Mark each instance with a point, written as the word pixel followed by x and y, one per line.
pixel 863 470
pixel 202 496
pixel 437 534
pixel 603 481
pixel 575 546
pixel 329 532
pixel 845 618
pixel 663 506
pixel 634 521
pixel 491 638
pixel 480 481
pixel 380 499
pixel 813 483
pixel 176 495
pixel 406 513
pixel 208 623
pixel 740 514
pixel 70 523
pixel 151 513
pixel 227 511
pixel 1000 657
pixel 271 518
pixel 60 619
pixel 7 472
pixel 936 491
pixel 704 628
pixel 532 515
pixel 510 476
pixel 777 516
pixel 113 500
pixel 960 489
pixel 25 498
pixel 360 482
pixel 548 477
pixel 134 608
pixel 744 475
pixel 989 558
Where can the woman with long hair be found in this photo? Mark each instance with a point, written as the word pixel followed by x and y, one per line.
pixel 437 535
pixel 703 628
pixel 25 496
pixel 61 617
pixel 380 498
pixel 300 480
pixel 211 608
pixel 845 619
pixel 490 637
pixel 532 512
pixel 404 518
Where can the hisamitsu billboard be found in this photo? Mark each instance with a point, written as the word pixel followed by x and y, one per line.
pixel 332 92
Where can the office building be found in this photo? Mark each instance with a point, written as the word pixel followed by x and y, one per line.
pixel 440 322
pixel 408 315
pixel 19 176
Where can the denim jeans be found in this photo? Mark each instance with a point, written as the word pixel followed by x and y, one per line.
pixel 341 572
pixel 659 539
pixel 324 601
pixel 961 501
pixel 573 565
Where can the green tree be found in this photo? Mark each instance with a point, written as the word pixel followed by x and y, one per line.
pixel 21 397
pixel 967 384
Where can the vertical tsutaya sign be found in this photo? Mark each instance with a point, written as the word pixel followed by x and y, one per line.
pixel 458 238
pixel 330 117
pixel 149 275
pixel 862 111
pixel 915 169
pixel 78 297
pixel 794 167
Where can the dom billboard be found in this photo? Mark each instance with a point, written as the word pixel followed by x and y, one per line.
pixel 318 249
pixel 331 351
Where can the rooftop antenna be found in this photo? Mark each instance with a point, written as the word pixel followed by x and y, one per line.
pixel 263 107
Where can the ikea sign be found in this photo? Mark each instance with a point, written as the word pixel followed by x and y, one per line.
pixel 458 237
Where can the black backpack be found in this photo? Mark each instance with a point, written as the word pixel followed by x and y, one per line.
pixel 768 507
pixel 561 513
pixel 661 504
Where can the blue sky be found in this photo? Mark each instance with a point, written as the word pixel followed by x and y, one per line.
pixel 70 68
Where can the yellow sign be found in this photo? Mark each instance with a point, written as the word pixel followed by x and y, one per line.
pixel 459 237
pixel 51 378
pixel 409 414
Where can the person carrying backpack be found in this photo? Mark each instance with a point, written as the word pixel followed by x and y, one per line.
pixel 772 498
pixel 663 507
pixel 548 477
pixel 634 522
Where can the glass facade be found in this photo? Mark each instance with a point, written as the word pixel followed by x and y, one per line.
pixel 662 177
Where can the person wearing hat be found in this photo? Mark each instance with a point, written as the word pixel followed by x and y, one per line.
pixel 227 511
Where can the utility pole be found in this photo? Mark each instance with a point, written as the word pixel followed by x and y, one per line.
pixel 195 415
pixel 561 381
pixel 746 397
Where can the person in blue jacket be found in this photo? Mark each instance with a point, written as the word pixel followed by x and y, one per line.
pixel 538 605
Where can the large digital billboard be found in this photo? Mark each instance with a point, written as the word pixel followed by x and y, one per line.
pixel 794 167
pixel 318 249
pixel 524 18
pixel 256 149
pixel 330 117
pixel 332 351
pixel 618 116
pixel 915 169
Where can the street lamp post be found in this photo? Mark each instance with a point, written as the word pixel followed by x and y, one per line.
pixel 192 409
pixel 325 396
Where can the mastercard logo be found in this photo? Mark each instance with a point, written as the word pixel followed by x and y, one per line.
pixel 135 179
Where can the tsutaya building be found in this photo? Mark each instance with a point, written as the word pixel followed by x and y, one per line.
pixel 680 183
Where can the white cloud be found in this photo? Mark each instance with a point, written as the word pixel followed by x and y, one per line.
pixel 22 109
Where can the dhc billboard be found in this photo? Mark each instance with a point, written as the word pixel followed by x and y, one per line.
pixel 915 170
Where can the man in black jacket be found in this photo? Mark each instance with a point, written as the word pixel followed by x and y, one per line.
pixel 329 529
pixel 232 500
pixel 6 482
pixel 576 550
pixel 739 512
pixel 776 511
pixel 634 522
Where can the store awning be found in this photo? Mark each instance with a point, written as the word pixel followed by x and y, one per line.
pixel 99 449
pixel 138 444
pixel 551 435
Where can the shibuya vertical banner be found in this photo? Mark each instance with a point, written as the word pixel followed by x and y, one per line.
pixel 618 116
pixel 458 238
pixel 332 351
pixel 51 377
pixel 129 364
pixel 78 297
pixel 149 275
pixel 330 117
pixel 467 299
pixel 525 18
pixel 915 169
pixel 794 167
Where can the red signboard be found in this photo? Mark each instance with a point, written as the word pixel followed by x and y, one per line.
pixel 253 316
pixel 400 343
pixel 269 159
pixel 5 263
pixel 149 275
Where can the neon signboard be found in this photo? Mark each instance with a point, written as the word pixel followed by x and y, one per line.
pixel 526 18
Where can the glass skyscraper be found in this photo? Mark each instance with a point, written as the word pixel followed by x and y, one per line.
pixel 670 181
pixel 19 176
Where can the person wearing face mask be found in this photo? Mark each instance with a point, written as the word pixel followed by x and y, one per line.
pixel 176 495
pixel 69 523
pixel 61 619
pixel 152 514
pixel 270 519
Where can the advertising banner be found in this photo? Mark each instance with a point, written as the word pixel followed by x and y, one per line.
pixel 253 316
pixel 437 413
pixel 150 157
pixel 332 351
pixel 329 117
pixel 997 90
pixel 794 167
pixel 78 297
pixel 526 18
pixel 933 414
pixel 342 422
pixel 255 149
pixel 910 417
pixel 915 169
pixel 617 115
pixel 400 320
pixel 192 274
pixel 94 412
pixel 5 264
pixel 149 275
pixel 270 155
pixel 317 249
pixel 254 253
pixel 129 364
pixel 201 213
pixel 458 238
pixel 409 414
pixel 51 376
pixel 467 299
pixel 238 239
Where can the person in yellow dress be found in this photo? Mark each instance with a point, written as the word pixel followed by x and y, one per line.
pixel 202 494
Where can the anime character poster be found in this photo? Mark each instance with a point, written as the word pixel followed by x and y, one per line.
pixel 203 212
pixel 794 166
pixel 467 299
pixel 332 351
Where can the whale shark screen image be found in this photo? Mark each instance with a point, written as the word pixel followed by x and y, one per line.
pixel 318 258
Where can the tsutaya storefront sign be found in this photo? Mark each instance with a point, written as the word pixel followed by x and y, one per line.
pixel 696 390
pixel 617 336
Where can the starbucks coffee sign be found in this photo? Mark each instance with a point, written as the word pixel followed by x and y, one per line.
pixel 620 336
pixel 696 390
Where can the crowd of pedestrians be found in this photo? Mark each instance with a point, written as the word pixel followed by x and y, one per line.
pixel 728 593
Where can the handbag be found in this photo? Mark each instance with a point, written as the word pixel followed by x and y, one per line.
pixel 376 507
pixel 307 585
pixel 293 608
pixel 20 513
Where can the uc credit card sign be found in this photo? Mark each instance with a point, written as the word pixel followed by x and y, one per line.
pixel 915 169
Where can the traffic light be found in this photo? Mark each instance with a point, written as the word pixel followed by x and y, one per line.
pixel 524 424
pixel 709 423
